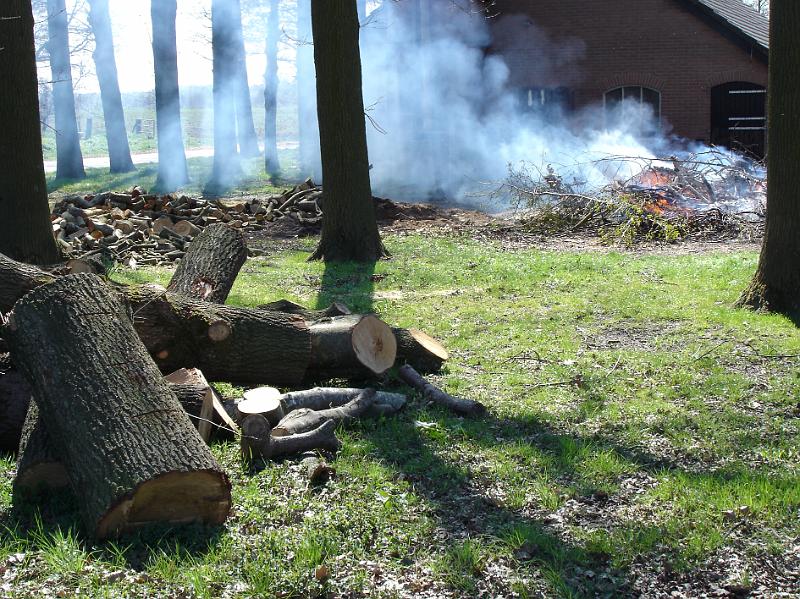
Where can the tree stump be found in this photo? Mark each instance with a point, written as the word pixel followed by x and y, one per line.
pixel 130 451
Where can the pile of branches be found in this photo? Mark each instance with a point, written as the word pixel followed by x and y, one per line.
pixel 707 196
pixel 104 387
pixel 137 228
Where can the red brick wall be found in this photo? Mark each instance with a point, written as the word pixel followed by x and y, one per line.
pixel 593 46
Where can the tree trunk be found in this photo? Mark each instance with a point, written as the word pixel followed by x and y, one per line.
pixel 271 162
pixel 227 168
pixel 349 228
pixel 39 467
pixel 776 285
pixel 248 139
pixel 419 350
pixel 25 231
pixel 172 169
pixel 209 268
pixel 69 160
pixel 15 396
pixel 308 125
pixel 127 445
pixel 119 151
pixel 353 346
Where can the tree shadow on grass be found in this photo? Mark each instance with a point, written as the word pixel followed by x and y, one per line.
pixel 350 283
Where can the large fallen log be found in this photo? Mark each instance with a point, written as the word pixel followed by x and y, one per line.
pixel 129 449
pixel 39 467
pixel 209 268
pixel 304 420
pixel 352 346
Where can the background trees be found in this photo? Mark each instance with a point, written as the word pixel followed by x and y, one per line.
pixel 271 164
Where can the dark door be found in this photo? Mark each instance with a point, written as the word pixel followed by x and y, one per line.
pixel 739 117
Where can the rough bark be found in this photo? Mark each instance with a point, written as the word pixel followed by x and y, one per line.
pixel 119 151
pixel 322 398
pixel 15 396
pixel 304 420
pixel 349 229
pixel 17 279
pixel 271 162
pixel 129 448
pixel 69 160
pixel 246 129
pixel 335 309
pixel 227 168
pixel 419 350
pixel 25 231
pixel 463 407
pixel 354 346
pixel 211 264
pixel 39 467
pixel 308 125
pixel 776 284
pixel 172 169
pixel 257 442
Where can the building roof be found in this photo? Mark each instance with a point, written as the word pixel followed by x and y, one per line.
pixel 739 18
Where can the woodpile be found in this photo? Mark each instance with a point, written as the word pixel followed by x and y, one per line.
pixel 106 386
pixel 137 228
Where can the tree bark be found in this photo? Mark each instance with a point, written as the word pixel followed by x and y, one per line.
pixel 353 346
pixel 172 169
pixel 211 264
pixel 248 139
pixel 15 396
pixel 304 420
pixel 128 447
pixel 25 231
pixel 227 168
pixel 308 125
pixel 69 160
pixel 119 151
pixel 419 350
pixel 349 228
pixel 271 162
pixel 323 398
pixel 39 467
pixel 776 285
pixel 257 442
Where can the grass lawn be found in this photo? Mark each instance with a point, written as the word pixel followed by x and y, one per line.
pixel 642 438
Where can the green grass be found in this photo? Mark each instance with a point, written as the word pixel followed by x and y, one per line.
pixel 635 418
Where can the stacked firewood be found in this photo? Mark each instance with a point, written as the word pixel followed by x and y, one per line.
pixel 146 229
pixel 87 365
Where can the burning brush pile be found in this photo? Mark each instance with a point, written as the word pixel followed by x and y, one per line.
pixel 137 228
pixel 702 196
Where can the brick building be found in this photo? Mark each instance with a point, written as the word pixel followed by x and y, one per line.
pixel 700 64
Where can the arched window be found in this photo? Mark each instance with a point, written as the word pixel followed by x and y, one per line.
pixel 633 93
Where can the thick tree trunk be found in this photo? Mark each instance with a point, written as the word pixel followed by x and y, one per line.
pixel 119 151
pixel 69 160
pixel 209 268
pixel 15 396
pixel 227 168
pixel 127 445
pixel 246 129
pixel 172 169
pixel 271 162
pixel 776 285
pixel 353 346
pixel 308 125
pixel 349 229
pixel 25 231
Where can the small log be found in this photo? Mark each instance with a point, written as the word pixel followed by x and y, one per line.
pixel 262 400
pixel 15 395
pixel 323 398
pixel 257 442
pixel 185 228
pixel 420 350
pixel 130 451
pixel 161 223
pixel 211 264
pixel 304 420
pixel 318 470
pixel 354 346
pixel 464 407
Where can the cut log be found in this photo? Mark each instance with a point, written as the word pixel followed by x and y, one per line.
pixel 211 264
pixel 262 400
pixel 288 307
pixel 15 395
pixel 420 350
pixel 464 407
pixel 130 451
pixel 323 398
pixel 39 468
pixel 257 442
pixel 184 228
pixel 304 420
pixel 353 346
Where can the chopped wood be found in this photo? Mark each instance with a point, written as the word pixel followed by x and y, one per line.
pixel 130 451
pixel 353 346
pixel 304 420
pixel 464 407
pixel 420 350
pixel 257 442
pixel 262 400
pixel 15 395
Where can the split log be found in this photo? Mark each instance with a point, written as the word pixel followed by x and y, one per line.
pixel 15 395
pixel 257 442
pixel 39 468
pixel 304 420
pixel 464 407
pixel 353 346
pixel 420 350
pixel 262 400
pixel 211 264
pixel 129 449
pixel 288 307
pixel 323 398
